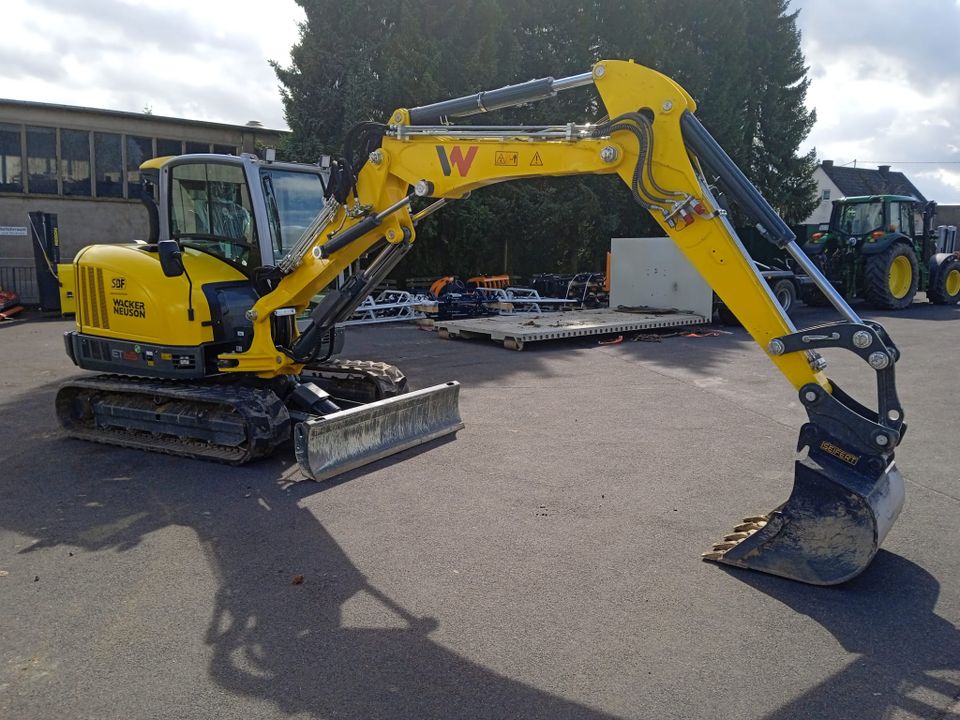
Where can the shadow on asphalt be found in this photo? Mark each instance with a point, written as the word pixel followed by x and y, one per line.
pixel 886 616
pixel 288 644
pixel 270 639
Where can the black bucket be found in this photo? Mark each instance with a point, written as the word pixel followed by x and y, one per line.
pixel 828 531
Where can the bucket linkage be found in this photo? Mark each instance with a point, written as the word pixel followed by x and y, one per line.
pixel 847 490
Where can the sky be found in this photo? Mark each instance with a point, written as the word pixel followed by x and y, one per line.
pixel 885 82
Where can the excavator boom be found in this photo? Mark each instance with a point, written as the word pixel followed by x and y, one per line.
pixel 847 491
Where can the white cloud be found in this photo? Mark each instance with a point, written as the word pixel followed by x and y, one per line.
pixel 201 60
pixel 885 87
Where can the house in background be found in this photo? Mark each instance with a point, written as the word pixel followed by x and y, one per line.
pixel 835 182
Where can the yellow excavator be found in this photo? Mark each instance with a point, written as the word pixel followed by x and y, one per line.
pixel 196 335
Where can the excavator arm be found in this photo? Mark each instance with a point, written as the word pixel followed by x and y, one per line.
pixel 847 491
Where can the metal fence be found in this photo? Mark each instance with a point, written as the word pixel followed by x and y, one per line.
pixel 20 275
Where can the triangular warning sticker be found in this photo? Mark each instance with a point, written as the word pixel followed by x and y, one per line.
pixel 536 160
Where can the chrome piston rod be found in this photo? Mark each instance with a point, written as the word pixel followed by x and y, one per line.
pixel 813 272
pixel 504 97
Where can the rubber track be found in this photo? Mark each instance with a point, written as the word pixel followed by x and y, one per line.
pixel 358 380
pixel 265 417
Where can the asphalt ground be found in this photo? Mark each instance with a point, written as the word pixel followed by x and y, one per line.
pixel 544 564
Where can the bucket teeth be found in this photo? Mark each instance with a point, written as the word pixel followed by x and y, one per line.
pixel 731 540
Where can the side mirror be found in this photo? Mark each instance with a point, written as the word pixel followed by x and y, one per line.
pixel 171 258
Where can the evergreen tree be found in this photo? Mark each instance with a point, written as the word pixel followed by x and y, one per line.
pixel 741 60
pixel 777 121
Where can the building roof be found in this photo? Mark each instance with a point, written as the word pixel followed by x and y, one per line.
pixel 863 181
pixel 256 129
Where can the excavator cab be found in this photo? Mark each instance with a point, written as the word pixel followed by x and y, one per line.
pixel 171 309
pixel 246 211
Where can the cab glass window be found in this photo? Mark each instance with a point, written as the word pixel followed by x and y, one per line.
pixel 294 199
pixel 906 218
pixel 898 219
pixel 211 211
pixel 860 218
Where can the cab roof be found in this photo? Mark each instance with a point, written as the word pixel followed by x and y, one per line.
pixel 159 162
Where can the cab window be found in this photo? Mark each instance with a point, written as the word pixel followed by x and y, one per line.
pixel 211 211
pixel 906 218
pixel 893 217
pixel 294 199
pixel 861 218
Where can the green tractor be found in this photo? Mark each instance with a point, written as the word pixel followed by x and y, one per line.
pixel 883 248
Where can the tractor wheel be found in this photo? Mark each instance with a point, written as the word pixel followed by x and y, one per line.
pixel 786 294
pixel 890 280
pixel 945 289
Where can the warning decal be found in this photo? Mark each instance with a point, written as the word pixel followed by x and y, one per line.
pixel 506 159
pixel 536 162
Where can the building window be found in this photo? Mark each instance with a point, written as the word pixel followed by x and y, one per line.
pixel 139 150
pixel 75 162
pixel 169 147
pixel 109 165
pixel 825 195
pixel 225 149
pixel 11 159
pixel 193 148
pixel 42 160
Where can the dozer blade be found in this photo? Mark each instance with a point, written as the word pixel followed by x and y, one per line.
pixel 831 526
pixel 334 443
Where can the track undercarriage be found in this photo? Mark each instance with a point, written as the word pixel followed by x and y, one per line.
pixel 232 421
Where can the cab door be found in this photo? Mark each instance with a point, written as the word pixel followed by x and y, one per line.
pixel 210 208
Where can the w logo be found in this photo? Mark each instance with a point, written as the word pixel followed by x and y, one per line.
pixel 457 159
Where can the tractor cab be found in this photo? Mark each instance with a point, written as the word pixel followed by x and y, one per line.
pixel 883 249
pixel 869 221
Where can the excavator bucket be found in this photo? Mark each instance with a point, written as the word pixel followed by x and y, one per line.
pixel 332 444
pixel 831 526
